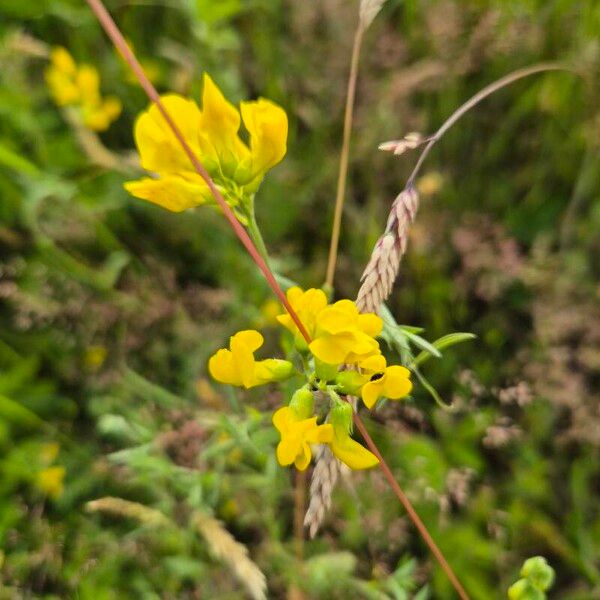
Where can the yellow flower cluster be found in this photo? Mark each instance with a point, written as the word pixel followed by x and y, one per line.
pixel 50 479
pixel 342 358
pixel 79 86
pixel 211 132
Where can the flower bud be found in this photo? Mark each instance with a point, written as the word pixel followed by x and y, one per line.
pixel 349 382
pixel 303 403
pixel 524 590
pixel 281 369
pixel 538 572
pixel 341 417
pixel 325 371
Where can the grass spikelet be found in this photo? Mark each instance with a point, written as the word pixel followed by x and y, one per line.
pixel 130 510
pixel 322 484
pixel 381 271
pixel 224 547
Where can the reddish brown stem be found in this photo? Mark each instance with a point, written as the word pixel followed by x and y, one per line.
pixel 117 38
pixel 412 513
pixel 299 510
pixel 119 41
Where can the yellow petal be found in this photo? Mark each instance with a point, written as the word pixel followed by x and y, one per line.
pixel 322 434
pixel 282 418
pixel 294 294
pixel 173 192
pixel 370 324
pixel 222 368
pixel 373 364
pixel 62 88
pixel 268 127
pixel 358 345
pixel 371 391
pixel 158 147
pixel 287 451
pixel 351 453
pixel 218 127
pixel 63 61
pixel 303 458
pixel 307 305
pixel 95 119
pixel 112 107
pixel 242 346
pixel 251 338
pixel 88 81
pixel 328 350
pixel 336 319
pixel 346 306
pixel 396 382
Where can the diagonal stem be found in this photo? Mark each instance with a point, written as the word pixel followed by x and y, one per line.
pixel 412 513
pixel 117 38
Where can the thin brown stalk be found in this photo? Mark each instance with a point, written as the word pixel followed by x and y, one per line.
pixel 412 513
pixel 344 157
pixel 476 99
pixel 299 507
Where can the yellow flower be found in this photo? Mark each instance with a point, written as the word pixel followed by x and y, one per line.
pixel 350 452
pixel 61 77
pixel 343 335
pixel 296 436
pixel 237 366
pixel 51 481
pixel 384 382
pixel 212 134
pixel 307 305
pixel 80 86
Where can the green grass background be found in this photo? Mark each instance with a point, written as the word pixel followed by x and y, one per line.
pixel 506 245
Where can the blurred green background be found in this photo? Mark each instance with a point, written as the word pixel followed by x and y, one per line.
pixel 110 307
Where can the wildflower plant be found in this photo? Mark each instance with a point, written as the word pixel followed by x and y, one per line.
pixel 343 358
pixel 194 155
pixel 78 86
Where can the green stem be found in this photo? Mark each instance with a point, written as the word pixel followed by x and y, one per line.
pixel 256 235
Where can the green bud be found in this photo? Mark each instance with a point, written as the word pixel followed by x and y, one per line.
pixel 281 369
pixel 300 343
pixel 349 382
pixel 538 572
pixel 341 416
pixel 324 371
pixel 524 590
pixel 303 403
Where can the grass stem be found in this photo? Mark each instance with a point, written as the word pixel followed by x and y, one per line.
pixel 344 158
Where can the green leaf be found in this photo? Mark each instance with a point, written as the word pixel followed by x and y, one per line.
pixel 432 391
pixel 444 342
pixel 17 413
pixel 422 343
pixel 12 160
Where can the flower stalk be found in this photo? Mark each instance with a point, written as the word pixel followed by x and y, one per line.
pixel 344 157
